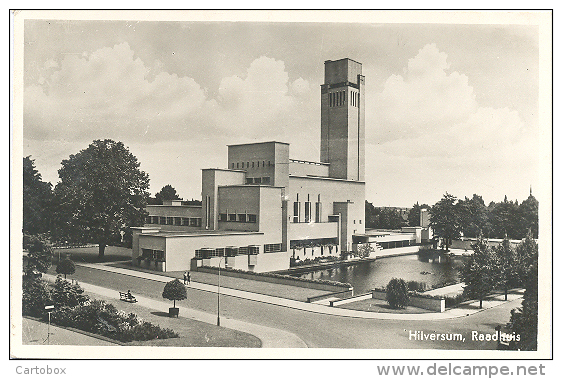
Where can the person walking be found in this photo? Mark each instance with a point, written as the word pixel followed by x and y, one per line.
pixel 188 278
pixel 185 277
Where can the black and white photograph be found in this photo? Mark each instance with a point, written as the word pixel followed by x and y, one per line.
pixel 281 185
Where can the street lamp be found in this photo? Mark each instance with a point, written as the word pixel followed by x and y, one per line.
pixel 49 308
pixel 219 295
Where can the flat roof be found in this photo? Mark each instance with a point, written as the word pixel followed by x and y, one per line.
pixel 199 233
pixel 325 178
pixel 258 143
pixel 343 59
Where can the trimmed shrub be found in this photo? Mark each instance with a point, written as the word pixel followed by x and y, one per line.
pixel 66 267
pixel 35 296
pixel 397 293
pixel 174 290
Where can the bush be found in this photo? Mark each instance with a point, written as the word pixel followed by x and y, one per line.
pixel 415 286
pixel 67 294
pixel 454 300
pixel 35 296
pixel 102 318
pixel 397 293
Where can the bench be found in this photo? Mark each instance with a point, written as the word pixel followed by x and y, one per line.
pixel 126 296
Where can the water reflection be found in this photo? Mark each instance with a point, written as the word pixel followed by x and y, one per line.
pixel 429 268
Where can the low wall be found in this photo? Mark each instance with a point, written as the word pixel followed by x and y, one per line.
pixel 276 280
pixel 335 303
pixel 436 305
pixel 341 294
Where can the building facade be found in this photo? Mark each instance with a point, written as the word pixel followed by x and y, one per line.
pixel 265 208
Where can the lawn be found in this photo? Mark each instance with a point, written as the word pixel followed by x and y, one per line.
pixel 377 305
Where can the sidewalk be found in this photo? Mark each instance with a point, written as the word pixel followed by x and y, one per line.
pixel 35 333
pixel 270 337
pixel 461 311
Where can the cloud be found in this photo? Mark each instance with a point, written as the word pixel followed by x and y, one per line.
pixel 424 100
pixel 110 93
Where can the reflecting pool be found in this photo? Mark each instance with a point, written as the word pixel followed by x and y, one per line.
pixel 429 268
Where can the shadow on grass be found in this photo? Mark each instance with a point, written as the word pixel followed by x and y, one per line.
pixel 161 314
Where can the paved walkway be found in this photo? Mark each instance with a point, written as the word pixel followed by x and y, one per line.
pixel 461 311
pixel 35 333
pixel 270 337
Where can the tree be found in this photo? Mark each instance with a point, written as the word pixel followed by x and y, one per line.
pixel 508 266
pixel 529 216
pixel 445 220
pixel 67 294
pixel 474 217
pixel 66 267
pixel 166 193
pixel 478 272
pixel 414 214
pixel 37 198
pixel 101 193
pixel 39 254
pixel 505 219
pixel 397 293
pixel 174 290
pixel 524 320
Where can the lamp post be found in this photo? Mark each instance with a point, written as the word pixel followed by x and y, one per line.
pixel 219 295
pixel 49 308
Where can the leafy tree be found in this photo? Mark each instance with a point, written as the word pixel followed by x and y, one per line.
pixel 37 198
pixel 478 272
pixel 414 214
pixel 397 293
pixel 474 217
pixel 529 216
pixel 66 267
pixel 35 295
pixel 371 215
pixel 526 251
pixel 445 220
pixel 524 320
pixel 39 254
pixel 508 266
pixel 174 290
pixel 166 193
pixel 505 218
pixel 101 193
pixel 67 294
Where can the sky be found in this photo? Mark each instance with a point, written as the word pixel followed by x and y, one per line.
pixel 449 107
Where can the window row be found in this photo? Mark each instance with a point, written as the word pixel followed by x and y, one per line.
pixel 176 221
pixel 336 99
pixel 298 216
pixel 354 100
pixel 247 164
pixel 154 255
pixel 262 180
pixel 238 217
pixel 229 251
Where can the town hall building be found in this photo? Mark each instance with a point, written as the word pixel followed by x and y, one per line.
pixel 266 208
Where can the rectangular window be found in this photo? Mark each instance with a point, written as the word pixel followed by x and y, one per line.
pixel 162 220
pixel 265 180
pixel 252 164
pixel 257 180
pixel 242 217
pixel 232 217
pixel 148 220
pixel 296 208
pixel 249 180
pixel 185 221
pixel 253 249
pixel 237 165
pixel 222 217
pixel 252 218
pixel 177 221
pixel 272 248
pixel 307 211
pixel 343 98
pixel 169 221
pixel 243 250
pixel 318 212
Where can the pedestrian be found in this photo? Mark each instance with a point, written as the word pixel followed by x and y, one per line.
pixel 188 278
pixel 185 277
